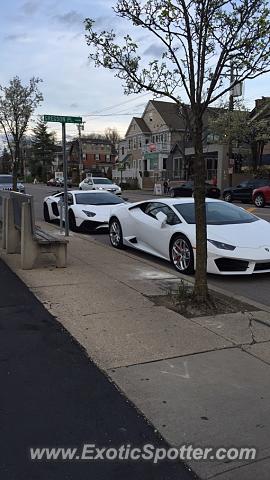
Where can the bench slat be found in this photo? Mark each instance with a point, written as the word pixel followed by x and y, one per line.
pixel 43 237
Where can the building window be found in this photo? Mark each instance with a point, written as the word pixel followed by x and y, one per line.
pixel 97 157
pixel 129 144
pixel 164 166
pixel 123 150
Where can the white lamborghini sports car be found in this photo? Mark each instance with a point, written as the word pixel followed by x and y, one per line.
pixel 87 211
pixel 238 242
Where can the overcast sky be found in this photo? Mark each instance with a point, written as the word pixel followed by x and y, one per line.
pixel 45 38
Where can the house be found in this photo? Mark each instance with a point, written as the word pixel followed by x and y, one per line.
pixel 148 141
pixel 92 155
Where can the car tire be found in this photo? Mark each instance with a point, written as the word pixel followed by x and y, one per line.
pixel 172 193
pixel 46 214
pixel 181 254
pixel 72 222
pixel 227 197
pixel 259 200
pixel 116 234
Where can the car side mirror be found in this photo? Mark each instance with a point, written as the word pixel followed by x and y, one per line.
pixel 161 218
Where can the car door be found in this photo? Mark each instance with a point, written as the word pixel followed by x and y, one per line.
pixel 149 232
pixel 241 191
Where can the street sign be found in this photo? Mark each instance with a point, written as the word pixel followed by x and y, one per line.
pixel 61 119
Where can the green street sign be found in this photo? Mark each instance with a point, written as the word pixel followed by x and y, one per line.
pixel 61 119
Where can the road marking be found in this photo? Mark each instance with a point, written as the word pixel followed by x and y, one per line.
pixel 251 209
pixel 183 375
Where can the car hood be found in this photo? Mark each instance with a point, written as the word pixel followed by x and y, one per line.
pixel 106 186
pixel 99 210
pixel 245 235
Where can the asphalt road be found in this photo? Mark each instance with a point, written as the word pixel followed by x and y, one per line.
pixel 53 395
pixel 255 287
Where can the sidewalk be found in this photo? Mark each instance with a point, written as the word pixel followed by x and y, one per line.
pixel 201 381
pixel 52 395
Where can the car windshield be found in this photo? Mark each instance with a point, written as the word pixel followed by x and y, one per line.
pixel 102 181
pixel 217 213
pixel 97 199
pixel 6 179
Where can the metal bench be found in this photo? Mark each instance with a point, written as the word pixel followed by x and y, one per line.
pixel 24 237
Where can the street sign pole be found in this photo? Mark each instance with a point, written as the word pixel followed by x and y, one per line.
pixel 64 119
pixel 65 178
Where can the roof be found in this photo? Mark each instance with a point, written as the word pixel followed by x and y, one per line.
pixel 169 111
pixel 142 125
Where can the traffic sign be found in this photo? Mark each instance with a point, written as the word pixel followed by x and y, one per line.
pixel 61 119
pixel 121 167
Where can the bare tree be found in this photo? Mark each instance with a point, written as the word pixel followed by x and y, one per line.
pixel 17 104
pixel 199 40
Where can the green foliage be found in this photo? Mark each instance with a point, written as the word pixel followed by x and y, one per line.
pixel 5 162
pixel 43 148
pixel 243 130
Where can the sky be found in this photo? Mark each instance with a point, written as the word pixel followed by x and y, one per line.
pixel 46 39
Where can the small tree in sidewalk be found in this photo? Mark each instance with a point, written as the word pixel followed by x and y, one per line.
pixel 198 41
pixel 17 104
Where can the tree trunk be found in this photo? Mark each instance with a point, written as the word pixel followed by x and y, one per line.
pixel 16 165
pixel 200 291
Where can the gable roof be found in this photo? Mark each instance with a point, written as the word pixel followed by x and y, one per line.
pixel 142 125
pixel 169 111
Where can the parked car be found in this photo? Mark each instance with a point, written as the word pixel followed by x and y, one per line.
pixel 59 182
pixel 237 241
pixel 243 191
pixel 100 183
pixel 53 182
pixel 87 211
pixel 6 183
pixel 186 189
pixel 261 196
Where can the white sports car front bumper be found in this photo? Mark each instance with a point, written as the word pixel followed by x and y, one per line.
pixel 241 261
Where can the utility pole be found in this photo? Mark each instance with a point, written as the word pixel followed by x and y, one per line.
pixel 80 127
pixel 231 105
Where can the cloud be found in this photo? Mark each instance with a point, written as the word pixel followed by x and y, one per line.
pixel 16 37
pixel 70 18
pixel 154 51
pixel 74 105
pixel 30 7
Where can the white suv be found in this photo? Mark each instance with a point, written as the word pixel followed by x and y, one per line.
pixel 100 183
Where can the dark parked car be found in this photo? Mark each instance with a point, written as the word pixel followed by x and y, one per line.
pixel 6 183
pixel 243 191
pixel 186 189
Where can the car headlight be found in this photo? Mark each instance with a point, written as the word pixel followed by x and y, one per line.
pixel 89 214
pixel 221 245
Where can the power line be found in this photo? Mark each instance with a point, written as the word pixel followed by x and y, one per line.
pixel 119 104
